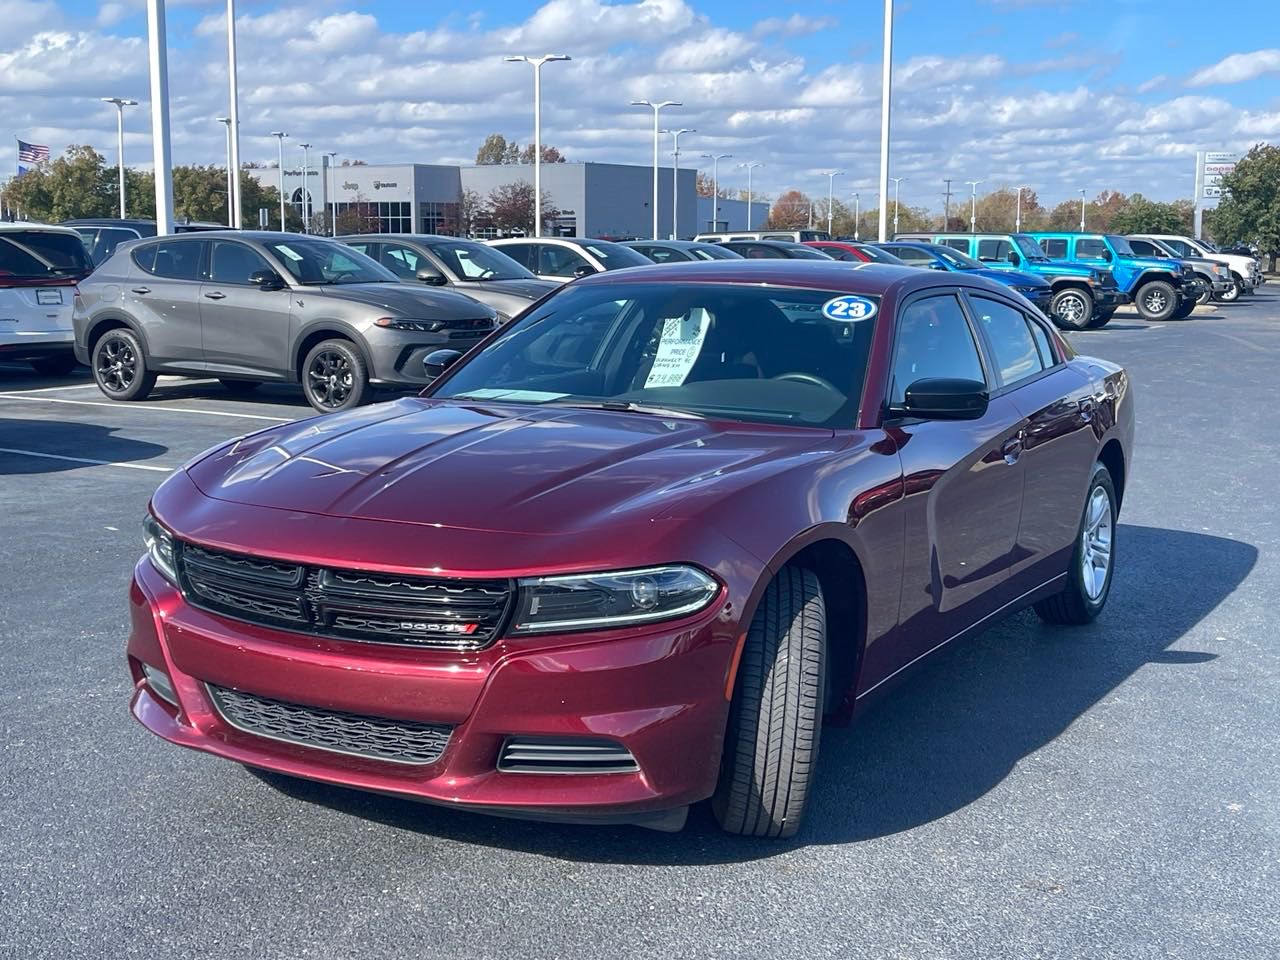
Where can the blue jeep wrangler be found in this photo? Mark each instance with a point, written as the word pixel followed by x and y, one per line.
pixel 1084 295
pixel 1160 289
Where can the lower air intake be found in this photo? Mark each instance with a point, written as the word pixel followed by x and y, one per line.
pixel 524 755
pixel 375 738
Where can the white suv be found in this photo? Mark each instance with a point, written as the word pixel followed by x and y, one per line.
pixel 1245 271
pixel 39 268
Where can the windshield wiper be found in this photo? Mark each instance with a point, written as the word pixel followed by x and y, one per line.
pixel 628 406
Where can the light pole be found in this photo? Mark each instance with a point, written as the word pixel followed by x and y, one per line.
pixel 120 103
pixel 884 122
pixel 831 179
pixel 897 182
pixel 675 179
pixel 1082 209
pixel 715 159
pixel 750 167
pixel 233 127
pixel 1017 213
pixel 333 196
pixel 857 212
pixel 231 197
pixel 280 135
pixel 306 170
pixel 656 106
pixel 973 204
pixel 537 129
pixel 158 61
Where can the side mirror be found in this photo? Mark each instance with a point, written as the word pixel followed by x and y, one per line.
pixel 935 265
pixel 432 278
pixel 438 361
pixel 1106 253
pixel 266 280
pixel 1014 258
pixel 943 398
pixel 585 270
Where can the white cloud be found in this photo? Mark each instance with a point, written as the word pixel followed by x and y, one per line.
pixel 1238 68
pixel 713 50
pixel 796 25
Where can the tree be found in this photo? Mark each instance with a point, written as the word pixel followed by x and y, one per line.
pixel 702 186
pixel 76 184
pixel 498 149
pixel 359 217
pixel 510 207
pixel 998 210
pixel 791 211
pixel 549 155
pixel 1249 211
pixel 470 208
pixel 1106 206
pixel 1065 216
pixel 1141 215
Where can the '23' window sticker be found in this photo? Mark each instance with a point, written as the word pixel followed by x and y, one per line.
pixel 849 309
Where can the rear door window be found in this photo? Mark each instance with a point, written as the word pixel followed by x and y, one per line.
pixel 1055 247
pixel 957 243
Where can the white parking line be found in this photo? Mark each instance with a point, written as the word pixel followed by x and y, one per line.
pixel 72 386
pixel 87 460
pixel 134 407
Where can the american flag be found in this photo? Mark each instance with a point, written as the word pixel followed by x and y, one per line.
pixel 32 152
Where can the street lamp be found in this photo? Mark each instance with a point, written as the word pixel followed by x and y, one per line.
pixel 715 159
pixel 120 103
pixel 857 213
pixel 161 156
pixel 675 178
pixel 750 167
pixel 537 129
pixel 306 169
pixel 231 197
pixel 333 196
pixel 973 204
pixel 280 135
pixel 831 179
pixel 1082 210
pixel 233 126
pixel 897 182
pixel 884 122
pixel 656 108
pixel 1017 213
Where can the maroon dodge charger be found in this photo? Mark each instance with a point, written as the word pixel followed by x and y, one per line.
pixel 629 552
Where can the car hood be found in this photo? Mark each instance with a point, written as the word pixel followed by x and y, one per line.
pixel 495 467
pixel 403 300
pixel 1069 268
pixel 1152 263
pixel 525 289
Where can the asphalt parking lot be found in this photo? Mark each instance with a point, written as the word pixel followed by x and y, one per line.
pixel 1036 793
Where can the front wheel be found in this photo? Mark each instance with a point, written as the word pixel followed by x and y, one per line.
pixel 1072 308
pixel 334 376
pixel 1156 300
pixel 1101 318
pixel 1232 293
pixel 1093 559
pixel 1206 295
pixel 775 720
pixel 56 366
pixel 1184 310
pixel 120 366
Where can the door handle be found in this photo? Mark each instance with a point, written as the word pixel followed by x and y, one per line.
pixel 141 289
pixel 216 296
pixel 1012 449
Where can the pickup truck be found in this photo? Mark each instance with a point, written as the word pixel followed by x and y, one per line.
pixel 1246 272
pixel 1160 289
pixel 1216 277
pixel 1083 295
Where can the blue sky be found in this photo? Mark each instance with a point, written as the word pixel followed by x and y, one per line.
pixel 1058 94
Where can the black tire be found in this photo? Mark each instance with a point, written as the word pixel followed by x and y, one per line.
pixel 1076 604
pixel 1102 318
pixel 239 386
pixel 775 720
pixel 335 377
pixel 120 367
pixel 1184 310
pixel 1156 300
pixel 55 366
pixel 1072 308
pixel 1232 295
pixel 1206 295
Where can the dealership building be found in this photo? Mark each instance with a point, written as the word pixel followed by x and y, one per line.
pixel 593 199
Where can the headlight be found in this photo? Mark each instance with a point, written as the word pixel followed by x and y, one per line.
pixel 606 600
pixel 400 323
pixel 159 543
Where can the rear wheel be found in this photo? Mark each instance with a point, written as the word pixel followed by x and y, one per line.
pixel 120 366
pixel 1156 300
pixel 775 720
pixel 1072 308
pixel 334 376
pixel 1092 561
pixel 240 386
pixel 56 366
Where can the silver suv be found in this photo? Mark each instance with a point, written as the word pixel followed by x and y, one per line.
pixel 250 308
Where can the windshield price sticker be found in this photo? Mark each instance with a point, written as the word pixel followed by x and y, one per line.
pixel 678 348
pixel 848 309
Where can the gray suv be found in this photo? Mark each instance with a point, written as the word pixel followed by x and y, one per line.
pixel 250 308
pixel 480 271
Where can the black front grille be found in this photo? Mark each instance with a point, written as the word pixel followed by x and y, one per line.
pixel 434 612
pixel 377 738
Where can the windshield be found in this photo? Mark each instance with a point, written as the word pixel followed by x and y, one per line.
pixel 324 262
pixel 42 255
pixel 710 251
pixel 1029 248
pixel 614 256
pixel 961 261
pixel 797 252
pixel 477 261
pixel 736 352
pixel 1121 246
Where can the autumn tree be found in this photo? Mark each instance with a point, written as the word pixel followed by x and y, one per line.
pixel 998 210
pixel 1064 216
pixel 1141 215
pixel 497 149
pixel 791 211
pixel 703 184
pixel 510 207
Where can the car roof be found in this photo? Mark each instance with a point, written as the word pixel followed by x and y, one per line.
pixel 406 236
pixel 784 244
pixel 670 244
pixel 8 226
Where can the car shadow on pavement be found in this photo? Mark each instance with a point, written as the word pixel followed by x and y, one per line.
pixel 946 736
pixel 61 438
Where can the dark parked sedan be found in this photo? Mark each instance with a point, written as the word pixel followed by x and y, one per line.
pixel 774 250
pixel 480 271
pixel 681 251
pixel 627 555
pixel 249 307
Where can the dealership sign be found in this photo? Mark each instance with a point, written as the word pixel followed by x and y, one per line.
pixel 1210 169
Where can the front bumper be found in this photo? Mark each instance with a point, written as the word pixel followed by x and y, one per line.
pixel 1192 288
pixel 396 355
pixel 659 691
pixel 1222 285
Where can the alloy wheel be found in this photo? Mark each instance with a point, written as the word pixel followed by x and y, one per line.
pixel 1071 309
pixel 1155 301
pixel 1095 544
pixel 117 365
pixel 330 379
